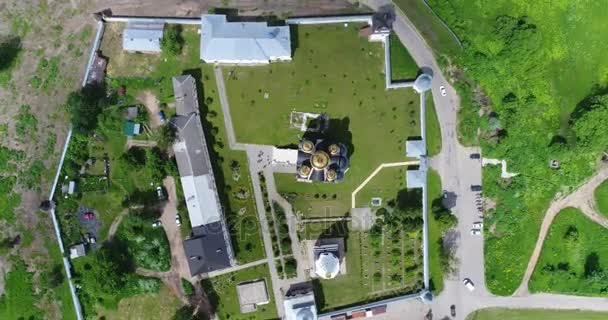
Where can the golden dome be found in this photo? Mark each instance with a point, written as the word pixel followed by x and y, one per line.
pixel 319 160
pixel 331 175
pixel 307 146
pixel 304 171
pixel 333 149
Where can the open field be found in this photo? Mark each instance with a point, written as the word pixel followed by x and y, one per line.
pixel 573 258
pixel 223 297
pixel 403 66
pixel 386 184
pixel 534 314
pixel 161 305
pixel 601 198
pixel 523 81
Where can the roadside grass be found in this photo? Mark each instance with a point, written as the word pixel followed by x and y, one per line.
pixel 601 198
pixel 430 27
pixel 385 185
pixel 573 257
pixel 350 90
pixel 403 66
pixel 161 305
pixel 534 314
pixel 19 299
pixel 60 285
pixel 222 295
pixel 534 107
pixel 433 129
pixel 435 235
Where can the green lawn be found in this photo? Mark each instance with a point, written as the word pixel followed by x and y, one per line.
pixel 429 26
pixel 386 184
pixel 353 97
pixel 433 130
pixel 523 67
pixel 403 67
pixel 161 305
pixel 223 297
pixel 534 314
pixel 601 198
pixel 574 257
pixel 19 299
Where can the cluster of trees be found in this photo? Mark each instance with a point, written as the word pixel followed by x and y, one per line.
pixel 9 51
pixel 404 213
pixel 172 42
pixel 148 246
pixel 85 105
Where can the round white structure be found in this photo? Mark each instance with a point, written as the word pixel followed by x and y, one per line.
pixel 327 265
pixel 423 83
pixel 305 314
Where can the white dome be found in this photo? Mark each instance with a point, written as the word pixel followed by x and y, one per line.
pixel 423 82
pixel 305 314
pixel 327 265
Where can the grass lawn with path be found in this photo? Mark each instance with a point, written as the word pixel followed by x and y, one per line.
pixel 573 257
pixel 351 90
pixel 601 198
pixel 223 296
pixel 161 305
pixel 535 314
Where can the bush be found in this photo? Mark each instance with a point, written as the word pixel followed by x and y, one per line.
pixel 172 42
pixel 187 287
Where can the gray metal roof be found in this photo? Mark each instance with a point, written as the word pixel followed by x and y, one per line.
pixel 186 97
pixel 415 148
pixel 207 250
pixel 415 178
pixel 144 37
pixel 423 82
pixel 242 42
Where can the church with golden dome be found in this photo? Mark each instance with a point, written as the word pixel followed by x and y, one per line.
pixel 321 161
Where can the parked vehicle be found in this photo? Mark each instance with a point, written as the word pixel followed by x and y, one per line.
pixel 91 239
pixel 453 310
pixel 475 232
pixel 475 156
pixel 88 215
pixel 478 225
pixel 178 220
pixel 443 92
pixel 475 188
pixel 156 224
pixel 161 116
pixel 161 193
pixel 468 284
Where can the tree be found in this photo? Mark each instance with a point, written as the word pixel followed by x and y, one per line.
pixel 166 137
pixel 187 313
pixel 85 105
pixel 172 42
pixel 9 50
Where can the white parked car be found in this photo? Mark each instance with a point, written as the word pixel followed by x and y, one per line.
pixel 178 220
pixel 443 92
pixel 478 225
pixel 475 232
pixel 156 224
pixel 468 284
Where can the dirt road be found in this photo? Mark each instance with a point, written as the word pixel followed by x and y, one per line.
pixel 151 103
pixel 582 199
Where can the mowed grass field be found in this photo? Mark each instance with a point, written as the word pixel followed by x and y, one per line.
pixel 601 198
pixel 535 314
pixel 573 258
pixel 349 87
pixel 161 305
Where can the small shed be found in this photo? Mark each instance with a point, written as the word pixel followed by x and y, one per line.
pixel 131 128
pixel 132 112
pixel 71 187
pixel 252 294
pixel 98 69
pixel 415 148
pixel 142 37
pixel 77 251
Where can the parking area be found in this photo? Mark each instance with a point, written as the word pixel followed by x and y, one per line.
pixel 90 224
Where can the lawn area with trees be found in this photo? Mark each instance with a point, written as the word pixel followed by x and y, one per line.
pixel 523 81
pixel 601 198
pixel 574 257
pixel 534 314
pixel 223 297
